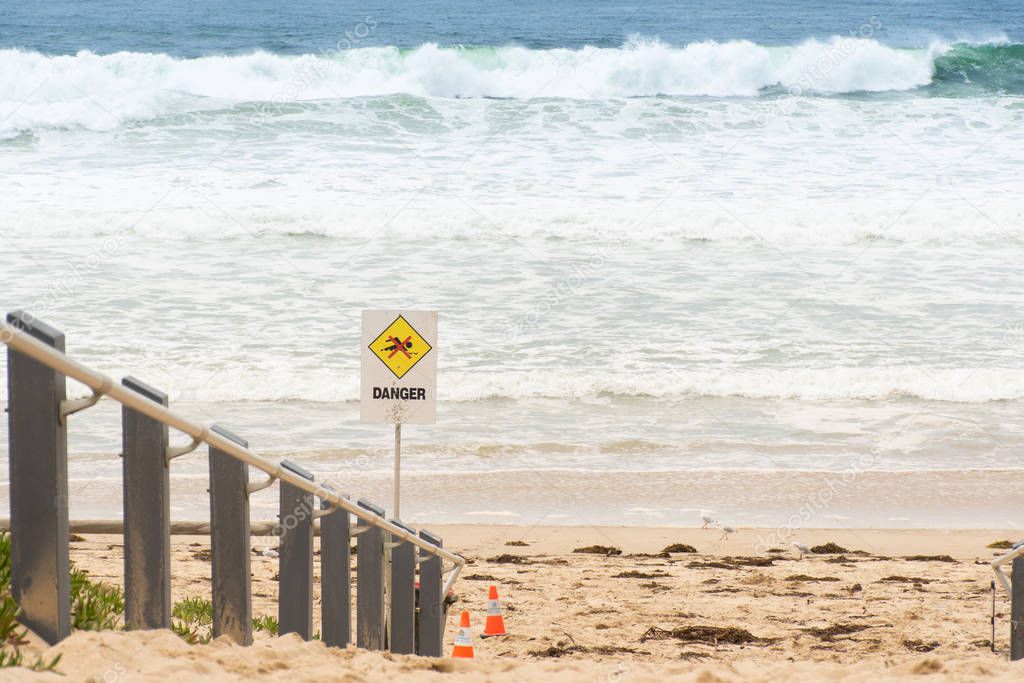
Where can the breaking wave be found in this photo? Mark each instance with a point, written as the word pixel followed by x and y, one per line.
pixel 105 91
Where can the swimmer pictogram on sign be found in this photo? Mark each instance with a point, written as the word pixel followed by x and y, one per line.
pixel 400 347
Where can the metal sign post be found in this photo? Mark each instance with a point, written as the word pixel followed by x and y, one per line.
pixel 399 375
pixel 398 470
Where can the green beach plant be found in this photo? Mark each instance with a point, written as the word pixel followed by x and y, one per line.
pixel 95 606
pixel 192 618
pixel 195 610
pixel 265 623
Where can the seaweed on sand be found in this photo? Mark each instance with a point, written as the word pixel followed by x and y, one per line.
pixel 605 550
pixel 828 633
pixel 711 635
pixel 829 548
pixel 506 558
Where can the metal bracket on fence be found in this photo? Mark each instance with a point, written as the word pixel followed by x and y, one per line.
pixel 259 486
pixel 178 451
pixel 77 405
pixel 391 545
pixel 326 507
pixel 357 529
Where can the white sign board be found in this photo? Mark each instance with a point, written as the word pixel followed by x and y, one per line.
pixel 399 367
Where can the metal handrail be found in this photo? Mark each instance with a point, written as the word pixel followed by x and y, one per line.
pixel 1017 551
pixel 102 385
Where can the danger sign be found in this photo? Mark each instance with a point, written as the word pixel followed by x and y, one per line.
pixel 399 367
pixel 400 347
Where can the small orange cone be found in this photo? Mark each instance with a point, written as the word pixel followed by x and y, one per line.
pixel 463 640
pixel 495 625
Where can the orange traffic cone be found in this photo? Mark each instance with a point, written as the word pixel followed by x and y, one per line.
pixel 495 625
pixel 463 640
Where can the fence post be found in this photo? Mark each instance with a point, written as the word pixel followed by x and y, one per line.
pixel 431 615
pixel 147 514
pixel 1017 609
pixel 335 577
pixel 403 595
pixel 38 461
pixel 295 568
pixel 370 582
pixel 229 543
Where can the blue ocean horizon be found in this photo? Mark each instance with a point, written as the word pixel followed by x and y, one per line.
pixel 210 28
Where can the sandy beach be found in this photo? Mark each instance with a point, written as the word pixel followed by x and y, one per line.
pixel 897 605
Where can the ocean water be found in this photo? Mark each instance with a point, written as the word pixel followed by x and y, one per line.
pixel 714 239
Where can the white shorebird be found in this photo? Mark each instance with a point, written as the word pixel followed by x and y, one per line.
pixel 802 549
pixel 707 519
pixel 726 530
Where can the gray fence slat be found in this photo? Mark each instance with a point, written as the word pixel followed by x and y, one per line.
pixel 229 543
pixel 370 582
pixel 295 569
pixel 1017 610
pixel 403 596
pixel 431 614
pixel 335 577
pixel 147 514
pixel 38 461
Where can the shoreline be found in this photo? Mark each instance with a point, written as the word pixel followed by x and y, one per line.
pixel 975 499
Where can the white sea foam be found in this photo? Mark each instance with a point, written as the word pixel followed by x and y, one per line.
pixel 813 223
pixel 962 385
pixel 104 91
